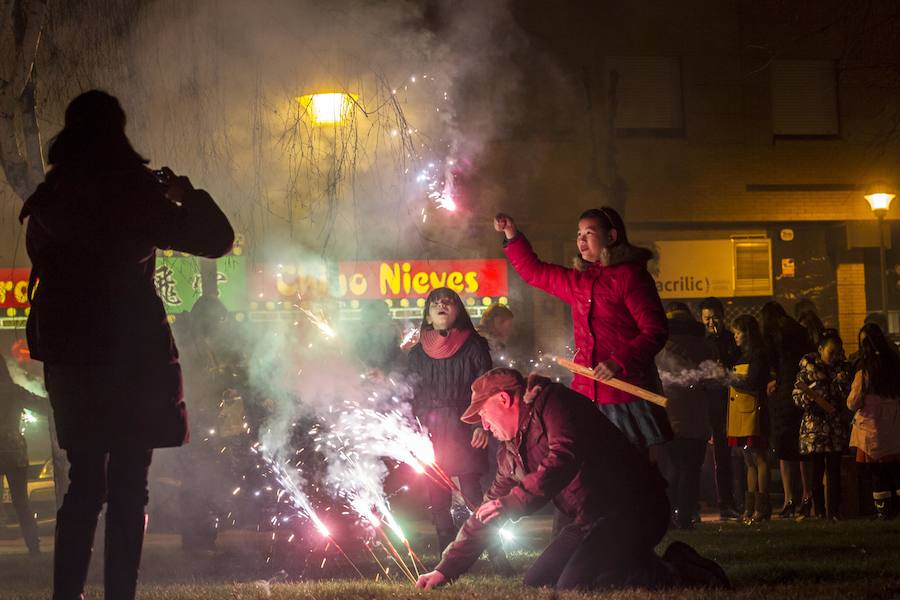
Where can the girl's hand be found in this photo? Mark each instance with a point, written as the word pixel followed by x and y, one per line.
pixel 607 369
pixel 503 222
pixel 480 438
pixel 770 389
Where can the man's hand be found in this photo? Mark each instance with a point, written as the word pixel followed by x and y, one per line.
pixel 503 222
pixel 430 580
pixel 607 369
pixel 770 388
pixel 480 438
pixel 489 511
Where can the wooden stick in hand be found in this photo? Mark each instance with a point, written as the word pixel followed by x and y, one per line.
pixel 614 382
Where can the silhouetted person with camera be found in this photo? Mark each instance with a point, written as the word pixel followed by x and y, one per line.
pixel 110 363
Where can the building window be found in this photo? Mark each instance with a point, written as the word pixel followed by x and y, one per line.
pixel 752 267
pixel 648 98
pixel 804 99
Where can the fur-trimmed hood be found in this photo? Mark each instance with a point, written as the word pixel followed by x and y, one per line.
pixel 617 255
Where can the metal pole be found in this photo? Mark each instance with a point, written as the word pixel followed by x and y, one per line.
pixel 884 304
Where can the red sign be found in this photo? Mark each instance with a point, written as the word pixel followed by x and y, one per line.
pixel 417 278
pixel 14 287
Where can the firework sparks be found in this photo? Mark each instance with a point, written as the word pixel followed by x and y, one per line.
pixel 290 484
pixel 319 321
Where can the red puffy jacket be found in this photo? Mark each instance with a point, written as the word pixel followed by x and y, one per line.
pixel 616 313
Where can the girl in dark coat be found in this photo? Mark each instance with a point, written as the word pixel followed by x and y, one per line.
pixel 821 391
pixel 450 355
pixel 748 422
pixel 787 341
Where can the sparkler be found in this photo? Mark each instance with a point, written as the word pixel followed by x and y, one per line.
pixel 410 337
pixel 320 322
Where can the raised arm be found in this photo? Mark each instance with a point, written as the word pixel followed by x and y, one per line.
pixel 184 219
pixel 553 279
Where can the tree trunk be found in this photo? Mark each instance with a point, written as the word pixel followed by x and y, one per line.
pixel 21 156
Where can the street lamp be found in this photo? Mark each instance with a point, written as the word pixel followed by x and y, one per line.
pixel 880 201
pixel 329 108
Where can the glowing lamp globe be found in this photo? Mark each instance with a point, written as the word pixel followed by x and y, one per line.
pixel 880 202
pixel 328 109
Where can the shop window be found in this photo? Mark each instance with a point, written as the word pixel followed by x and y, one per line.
pixel 752 267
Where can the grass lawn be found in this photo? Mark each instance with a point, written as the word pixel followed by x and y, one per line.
pixel 851 559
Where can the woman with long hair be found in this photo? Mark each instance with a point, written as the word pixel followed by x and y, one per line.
pixel 110 363
pixel 875 396
pixel 786 342
pixel 748 423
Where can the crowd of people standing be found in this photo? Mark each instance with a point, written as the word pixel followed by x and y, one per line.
pixel 793 399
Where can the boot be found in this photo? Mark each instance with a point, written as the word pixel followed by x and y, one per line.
pixel 763 510
pixel 882 505
pixel 749 506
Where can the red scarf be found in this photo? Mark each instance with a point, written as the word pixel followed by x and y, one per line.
pixel 436 345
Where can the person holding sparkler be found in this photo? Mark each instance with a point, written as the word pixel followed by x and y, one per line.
pixel 619 321
pixel 14 400
pixel 450 355
pixel 557 447
pixel 110 363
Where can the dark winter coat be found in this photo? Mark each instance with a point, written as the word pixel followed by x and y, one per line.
pixel 786 347
pixel 96 320
pixel 684 351
pixel 443 391
pixel 723 347
pixel 616 313
pixel 819 430
pixel 566 452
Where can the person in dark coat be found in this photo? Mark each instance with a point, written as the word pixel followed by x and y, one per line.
pixel 14 399
pixel 721 344
pixel 687 408
pixel 557 447
pixel 619 321
pixel 787 342
pixel 450 355
pixel 110 364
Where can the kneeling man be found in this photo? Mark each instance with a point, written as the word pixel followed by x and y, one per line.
pixel 556 446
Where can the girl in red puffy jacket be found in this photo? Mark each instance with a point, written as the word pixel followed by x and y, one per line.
pixel 619 321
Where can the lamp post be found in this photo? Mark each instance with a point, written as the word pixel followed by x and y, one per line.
pixel 880 202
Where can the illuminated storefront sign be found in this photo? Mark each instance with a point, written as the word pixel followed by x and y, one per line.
pixel 14 305
pixel 388 280
pixel 14 287
pixel 177 280
pixel 377 280
pixel 724 268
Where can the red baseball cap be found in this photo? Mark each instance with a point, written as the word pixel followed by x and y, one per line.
pixel 494 381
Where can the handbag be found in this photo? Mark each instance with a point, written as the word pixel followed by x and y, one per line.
pixel 743 410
